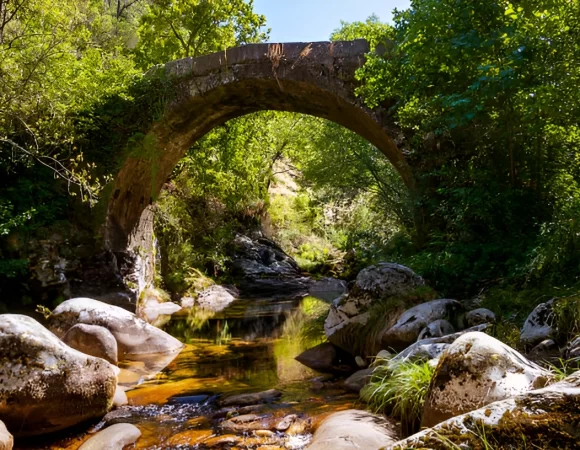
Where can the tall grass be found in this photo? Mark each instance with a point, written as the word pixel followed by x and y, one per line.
pixel 400 390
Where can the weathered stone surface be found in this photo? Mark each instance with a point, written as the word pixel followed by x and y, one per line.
pixel 264 269
pixel 328 289
pixel 358 380
pixel 156 308
pixel 354 430
pixel 349 324
pixel 573 349
pixel 316 78
pixel 474 371
pixel 6 439
pixel 408 326
pixel 437 328
pixel 539 325
pixel 216 298
pixel 548 417
pixel 133 335
pixel 46 385
pixel 546 351
pixel 251 398
pixel 431 348
pixel 247 422
pixel 479 316
pixel 92 340
pixel 327 358
pixel 115 437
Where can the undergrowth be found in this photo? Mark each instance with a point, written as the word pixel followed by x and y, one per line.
pixel 399 390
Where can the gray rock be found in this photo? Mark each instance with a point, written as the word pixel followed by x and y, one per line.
pixel 286 422
pixel 328 289
pixel 327 358
pixel 408 326
pixel 474 371
pixel 92 340
pixel 430 348
pixel 252 398
pixel 46 385
pixel 353 322
pixel 438 328
pixel 479 316
pixel 263 269
pixel 573 350
pixel 358 380
pixel 546 351
pixel 6 439
pixel 246 423
pixel 216 298
pixel 156 309
pixel 115 437
pixel 548 417
pixel 134 336
pixel 354 430
pixel 539 325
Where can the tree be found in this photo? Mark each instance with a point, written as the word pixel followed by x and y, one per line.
pixel 175 29
pixel 486 93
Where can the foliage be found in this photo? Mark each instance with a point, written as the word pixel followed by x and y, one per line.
pixel 485 93
pixel 399 390
pixel 219 189
pixel 175 29
pixel 372 29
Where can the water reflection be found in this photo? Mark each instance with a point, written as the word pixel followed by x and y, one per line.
pixel 248 347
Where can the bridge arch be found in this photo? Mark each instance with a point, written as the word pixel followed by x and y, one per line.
pixel 310 78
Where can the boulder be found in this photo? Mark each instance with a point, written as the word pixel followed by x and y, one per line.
pixel 6 439
pixel 157 311
pixel 431 348
pixel 216 298
pixel 327 358
pixel 539 325
pixel 546 351
pixel 479 316
pixel 92 340
pixel 246 423
pixel 252 398
pixel 115 437
pixel 438 328
pixel 46 385
pixel 262 268
pixel 328 289
pixel 547 418
pixel 358 380
pixel 134 336
pixel 380 294
pixel 408 326
pixel 354 430
pixel 573 349
pixel 474 371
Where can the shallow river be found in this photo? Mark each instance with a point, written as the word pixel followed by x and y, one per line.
pixel 248 347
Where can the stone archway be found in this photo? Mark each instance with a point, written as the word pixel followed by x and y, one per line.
pixel 310 78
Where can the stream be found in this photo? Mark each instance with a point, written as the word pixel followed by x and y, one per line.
pixel 248 347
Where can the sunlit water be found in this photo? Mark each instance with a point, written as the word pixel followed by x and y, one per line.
pixel 248 347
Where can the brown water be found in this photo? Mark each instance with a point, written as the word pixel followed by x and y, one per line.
pixel 248 347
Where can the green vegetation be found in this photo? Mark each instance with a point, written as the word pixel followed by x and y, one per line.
pixel 485 95
pixel 399 390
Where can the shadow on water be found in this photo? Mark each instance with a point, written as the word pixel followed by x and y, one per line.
pixel 247 347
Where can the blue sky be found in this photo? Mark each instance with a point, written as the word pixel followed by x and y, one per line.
pixel 314 20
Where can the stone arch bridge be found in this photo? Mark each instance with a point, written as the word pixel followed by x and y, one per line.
pixel 311 78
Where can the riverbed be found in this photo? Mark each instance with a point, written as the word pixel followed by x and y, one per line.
pixel 249 347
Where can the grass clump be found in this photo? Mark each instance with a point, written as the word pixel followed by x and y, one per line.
pixel 399 390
